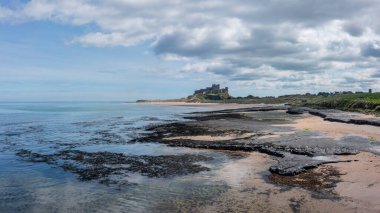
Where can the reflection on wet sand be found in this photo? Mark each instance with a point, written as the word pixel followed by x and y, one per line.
pixel 252 192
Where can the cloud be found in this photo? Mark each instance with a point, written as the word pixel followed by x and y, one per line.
pixel 111 39
pixel 371 49
pixel 376 74
pixel 354 29
pixel 282 43
pixel 5 13
pixel 226 36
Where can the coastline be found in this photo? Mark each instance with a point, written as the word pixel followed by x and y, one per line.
pixel 254 158
pixel 293 151
pixel 366 103
pixel 216 106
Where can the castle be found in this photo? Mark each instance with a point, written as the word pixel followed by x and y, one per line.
pixel 214 89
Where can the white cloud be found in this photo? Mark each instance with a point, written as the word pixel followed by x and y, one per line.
pixel 290 43
pixel 5 13
pixel 111 39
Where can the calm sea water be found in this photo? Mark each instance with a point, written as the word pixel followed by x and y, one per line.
pixel 48 127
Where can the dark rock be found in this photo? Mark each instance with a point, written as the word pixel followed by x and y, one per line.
pixel 322 181
pixel 102 165
pixel 295 111
pixel 291 165
pixel 217 117
pixel 343 117
pixel 295 151
pixel 250 109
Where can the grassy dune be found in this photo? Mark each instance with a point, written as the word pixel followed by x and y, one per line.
pixel 366 102
pixel 360 102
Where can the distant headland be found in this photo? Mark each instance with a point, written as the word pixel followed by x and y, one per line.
pixel 368 102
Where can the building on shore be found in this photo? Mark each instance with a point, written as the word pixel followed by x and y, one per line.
pixel 214 89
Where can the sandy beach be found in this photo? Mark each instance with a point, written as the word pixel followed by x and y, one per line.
pixel 334 129
pixel 327 164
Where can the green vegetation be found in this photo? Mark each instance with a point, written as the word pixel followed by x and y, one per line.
pixel 363 102
pixel 208 97
pixel 348 101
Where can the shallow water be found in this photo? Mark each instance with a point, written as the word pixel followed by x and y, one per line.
pixel 48 128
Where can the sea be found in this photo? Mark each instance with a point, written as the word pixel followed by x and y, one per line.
pixel 49 127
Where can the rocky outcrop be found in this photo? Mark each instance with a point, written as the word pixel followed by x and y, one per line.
pixel 337 116
pixel 295 152
pixel 106 166
pixel 345 117
pixel 296 164
pixel 295 111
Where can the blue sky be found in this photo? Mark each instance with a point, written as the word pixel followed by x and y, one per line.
pixel 80 50
pixel 39 64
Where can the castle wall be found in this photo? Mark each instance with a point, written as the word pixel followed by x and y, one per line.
pixel 215 89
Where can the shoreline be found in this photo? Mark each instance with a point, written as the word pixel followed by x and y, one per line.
pixel 263 158
pixel 216 106
pixel 297 147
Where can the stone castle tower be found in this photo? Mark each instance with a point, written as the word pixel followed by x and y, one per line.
pixel 214 89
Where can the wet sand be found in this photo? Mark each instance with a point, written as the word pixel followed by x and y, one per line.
pixel 334 129
pixel 252 192
pixel 360 182
pixel 356 190
pixel 325 184
pixel 360 179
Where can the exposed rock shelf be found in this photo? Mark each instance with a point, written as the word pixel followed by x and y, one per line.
pixel 296 152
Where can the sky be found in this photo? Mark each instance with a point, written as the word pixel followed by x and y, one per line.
pixel 120 50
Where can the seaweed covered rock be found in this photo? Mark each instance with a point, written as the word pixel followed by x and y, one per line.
pixel 103 165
